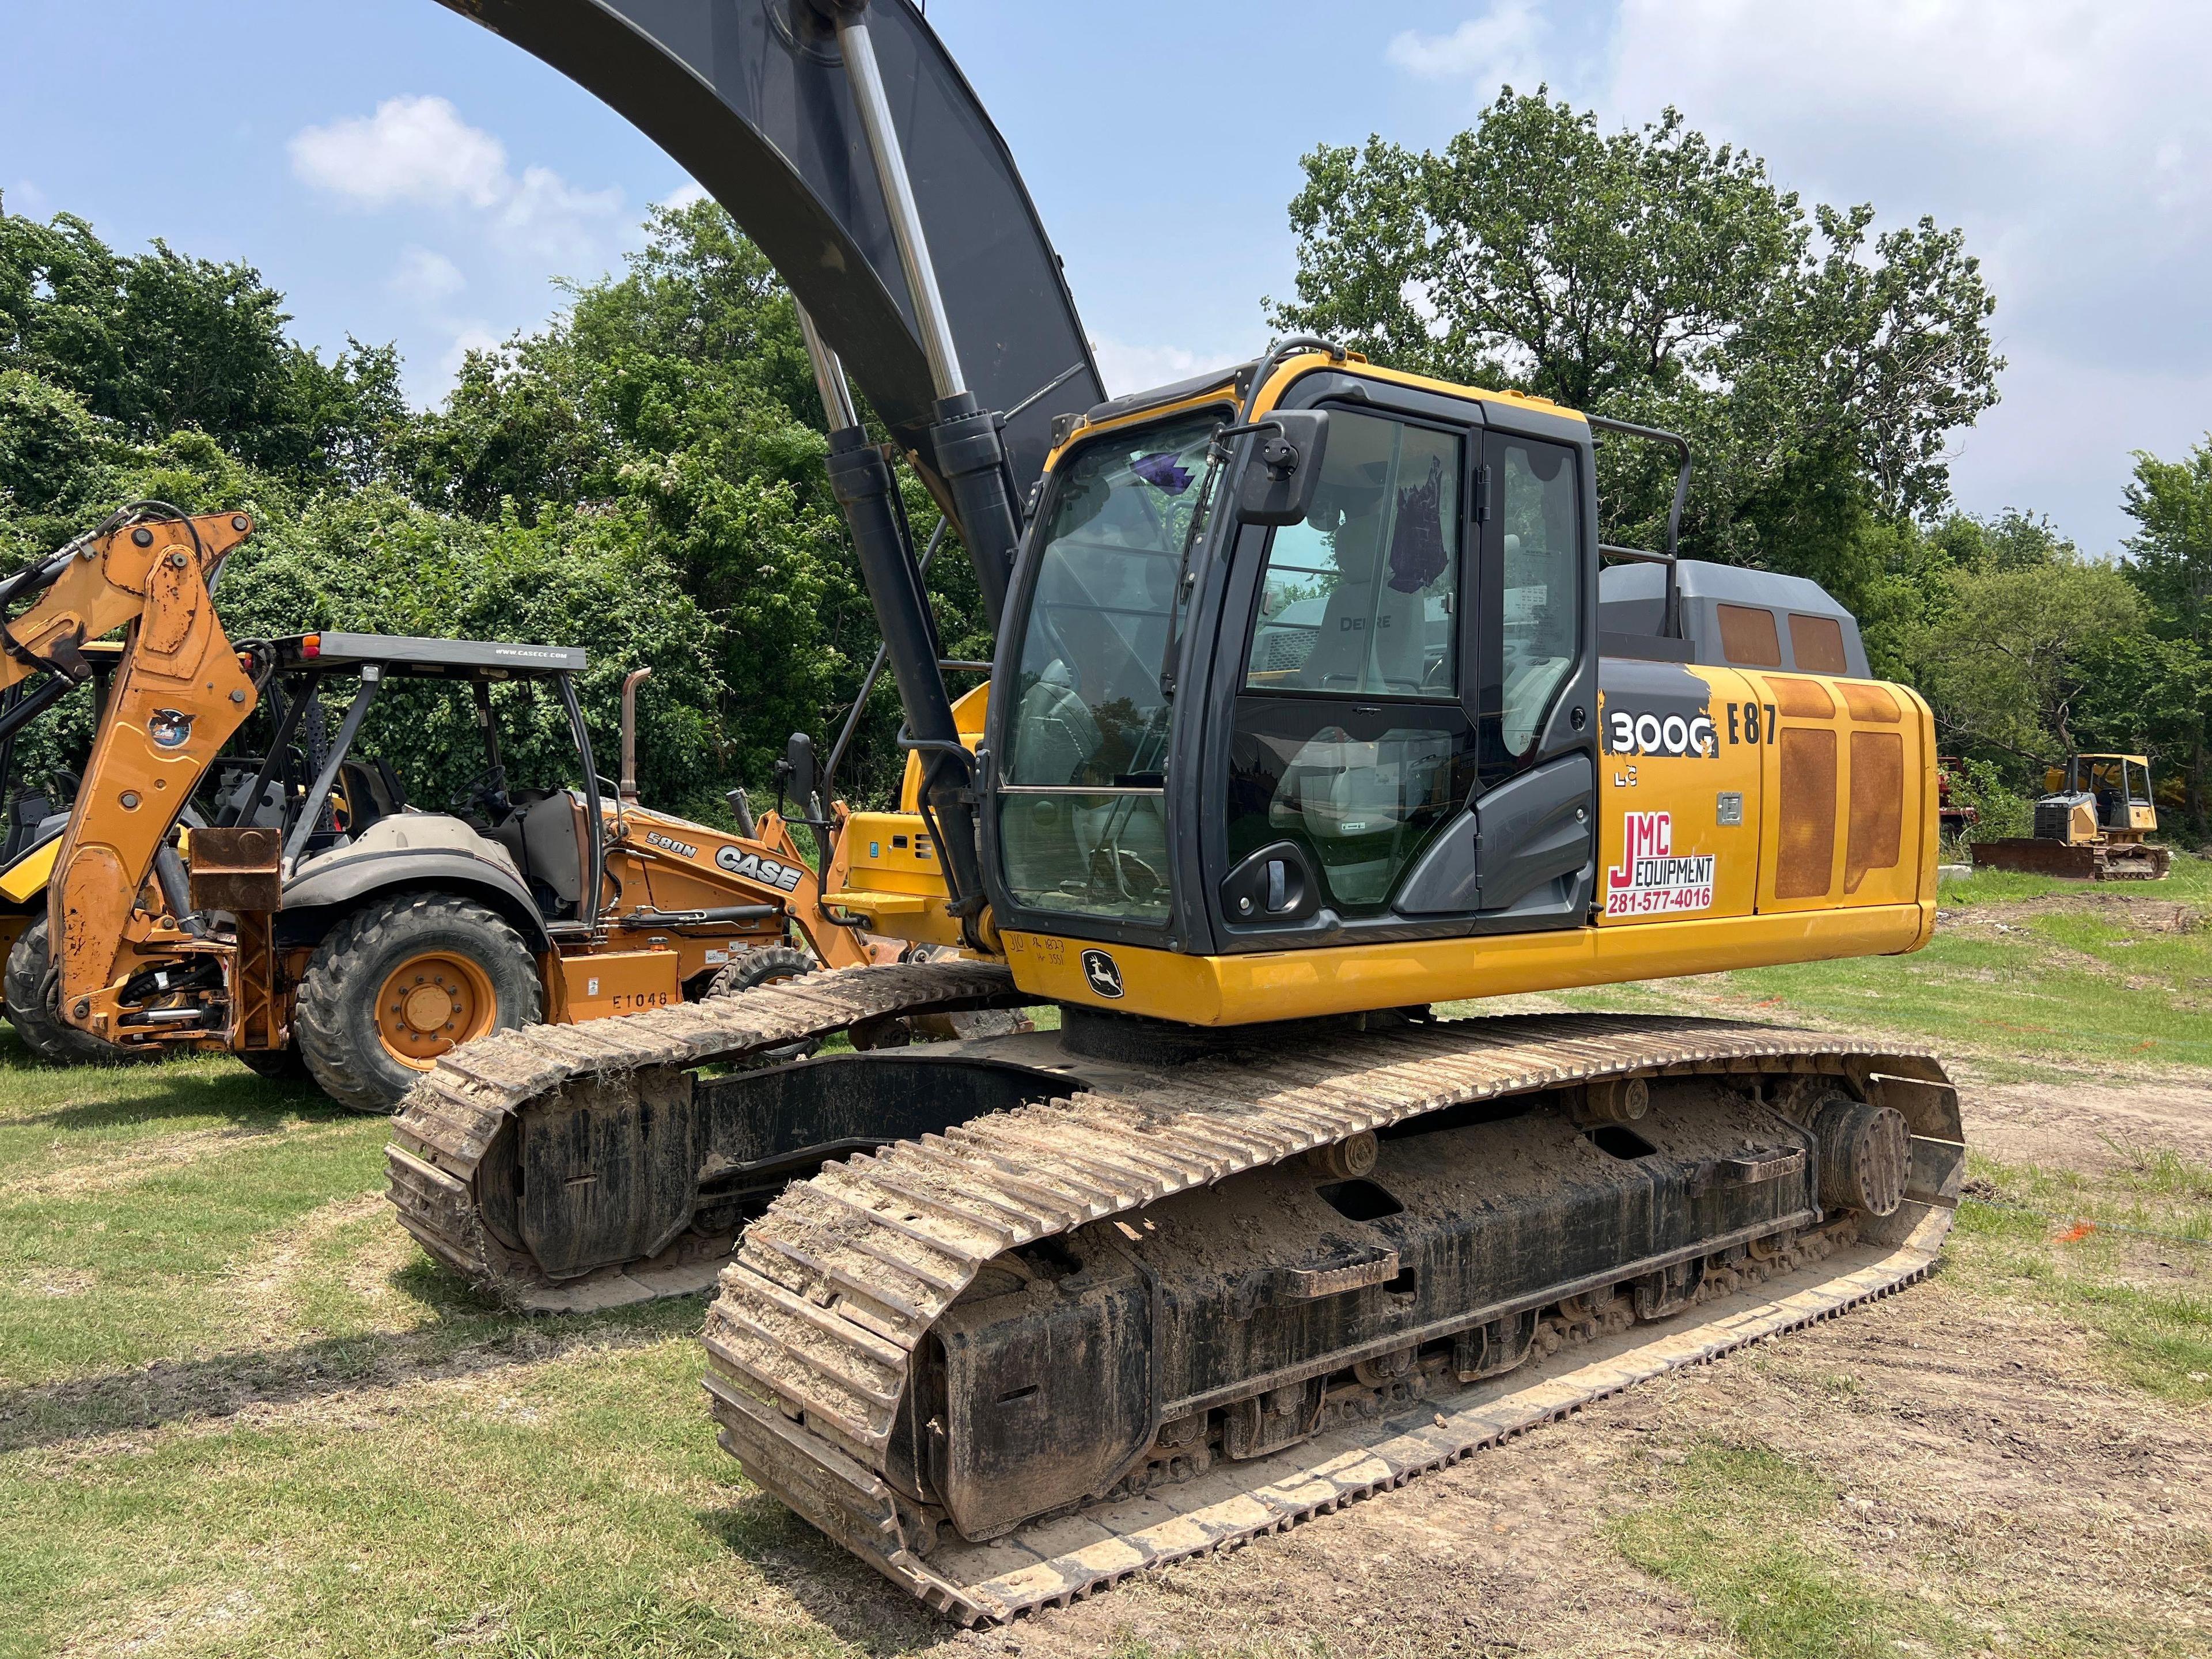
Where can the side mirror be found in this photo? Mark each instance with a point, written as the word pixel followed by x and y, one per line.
pixel 798 770
pixel 1277 487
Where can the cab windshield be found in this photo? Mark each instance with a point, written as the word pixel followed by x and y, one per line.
pixel 1081 826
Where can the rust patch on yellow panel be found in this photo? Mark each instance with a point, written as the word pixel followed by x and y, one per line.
pixel 1807 811
pixel 1802 699
pixel 1877 805
pixel 1870 702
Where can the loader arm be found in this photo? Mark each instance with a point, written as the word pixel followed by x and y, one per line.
pixel 177 697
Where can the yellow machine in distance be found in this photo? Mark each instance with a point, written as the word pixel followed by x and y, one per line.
pixel 2091 824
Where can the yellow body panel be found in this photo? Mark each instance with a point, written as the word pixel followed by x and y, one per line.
pixel 614 982
pixel 1275 985
pixel 26 878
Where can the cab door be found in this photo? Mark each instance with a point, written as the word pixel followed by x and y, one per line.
pixel 1352 744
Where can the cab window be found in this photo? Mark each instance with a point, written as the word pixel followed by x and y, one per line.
pixel 1350 741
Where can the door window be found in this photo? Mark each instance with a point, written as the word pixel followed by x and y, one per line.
pixel 1350 741
pixel 1359 598
pixel 1540 499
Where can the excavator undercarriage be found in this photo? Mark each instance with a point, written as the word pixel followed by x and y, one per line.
pixel 1047 1309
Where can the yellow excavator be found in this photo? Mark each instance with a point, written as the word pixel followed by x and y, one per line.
pixel 312 918
pixel 1314 714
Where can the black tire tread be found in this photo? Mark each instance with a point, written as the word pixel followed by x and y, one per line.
pixel 33 987
pixel 327 1027
pixel 761 967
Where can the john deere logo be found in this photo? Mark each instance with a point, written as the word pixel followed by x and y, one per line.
pixel 1100 975
pixel 169 728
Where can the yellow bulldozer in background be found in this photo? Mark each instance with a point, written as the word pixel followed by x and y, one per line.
pixel 2091 824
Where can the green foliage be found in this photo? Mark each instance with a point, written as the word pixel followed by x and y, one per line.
pixel 2000 810
pixel 2009 658
pixel 1815 365
pixel 642 477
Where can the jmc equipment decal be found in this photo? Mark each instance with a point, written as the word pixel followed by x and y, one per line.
pixel 1649 878
pixel 753 867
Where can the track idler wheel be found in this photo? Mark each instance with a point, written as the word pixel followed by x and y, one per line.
pixel 1347 1159
pixel 1866 1155
pixel 1616 1100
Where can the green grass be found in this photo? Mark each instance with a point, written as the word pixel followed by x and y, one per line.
pixel 2127 1254
pixel 1730 1537
pixel 1740 1530
pixel 240 1414
pixel 2077 974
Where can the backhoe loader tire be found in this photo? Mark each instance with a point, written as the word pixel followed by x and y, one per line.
pixel 766 966
pixel 352 1043
pixel 34 991
pixel 762 967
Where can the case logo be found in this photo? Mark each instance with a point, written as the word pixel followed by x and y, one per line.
pixel 1651 879
pixel 753 867
pixel 1100 974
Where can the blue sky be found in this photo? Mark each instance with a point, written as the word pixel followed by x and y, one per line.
pixel 401 174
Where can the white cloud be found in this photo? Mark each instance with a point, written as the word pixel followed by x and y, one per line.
pixel 1124 368
pixel 684 195
pixel 1498 48
pixel 2070 139
pixel 412 149
pixel 426 276
pixel 548 216
pixel 472 337
pixel 419 151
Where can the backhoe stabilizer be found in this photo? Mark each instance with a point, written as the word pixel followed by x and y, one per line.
pixel 180 697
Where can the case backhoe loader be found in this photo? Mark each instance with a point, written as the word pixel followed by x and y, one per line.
pixel 311 916
pixel 1312 709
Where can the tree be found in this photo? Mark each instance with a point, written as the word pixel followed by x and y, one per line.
pixel 2171 500
pixel 1816 365
pixel 2014 663
pixel 161 341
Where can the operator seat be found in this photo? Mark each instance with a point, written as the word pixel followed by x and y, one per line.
pixel 373 790
pixel 1371 637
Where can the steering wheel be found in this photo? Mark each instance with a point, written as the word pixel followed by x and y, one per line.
pixel 484 796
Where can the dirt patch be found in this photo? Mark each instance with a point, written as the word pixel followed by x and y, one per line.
pixel 2148 913
pixel 1975 1456
pixel 2087 1127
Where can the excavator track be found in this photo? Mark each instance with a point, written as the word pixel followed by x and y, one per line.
pixel 836 1324
pixel 449 1134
